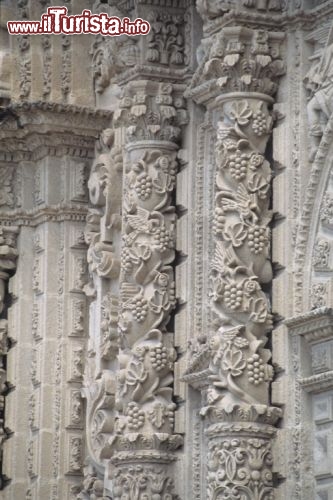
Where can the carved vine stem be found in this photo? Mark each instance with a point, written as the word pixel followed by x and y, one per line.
pixel 243 65
pixel 8 256
pixel 102 233
pixel 151 114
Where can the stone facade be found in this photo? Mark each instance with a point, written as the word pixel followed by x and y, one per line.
pixel 166 262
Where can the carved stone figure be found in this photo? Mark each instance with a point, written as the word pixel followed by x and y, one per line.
pixel 319 83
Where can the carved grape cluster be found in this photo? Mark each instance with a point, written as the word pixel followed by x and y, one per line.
pixel 257 239
pixel 136 417
pixel 238 165
pixel 159 357
pixel 233 296
pixel 126 260
pixel 139 308
pixel 173 172
pixel 143 186
pixel 259 123
pixel 168 166
pixel 171 414
pixel 256 369
pixel 219 220
pixel 162 238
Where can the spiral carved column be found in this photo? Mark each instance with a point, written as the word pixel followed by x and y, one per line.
pixel 151 114
pixel 236 82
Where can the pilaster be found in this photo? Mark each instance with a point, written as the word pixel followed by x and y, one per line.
pixel 47 147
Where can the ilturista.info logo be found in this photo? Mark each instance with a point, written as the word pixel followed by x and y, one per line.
pixel 57 21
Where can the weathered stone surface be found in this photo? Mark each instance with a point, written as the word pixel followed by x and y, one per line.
pixel 166 261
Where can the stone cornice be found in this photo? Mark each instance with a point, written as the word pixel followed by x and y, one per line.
pixel 36 216
pixel 281 21
pixel 153 73
pixel 43 117
pixel 318 382
pixel 315 325
pixel 61 108
pixel 30 131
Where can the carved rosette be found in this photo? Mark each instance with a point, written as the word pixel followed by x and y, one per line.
pixel 236 81
pixel 151 115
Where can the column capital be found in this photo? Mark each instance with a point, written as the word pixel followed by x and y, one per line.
pixel 237 59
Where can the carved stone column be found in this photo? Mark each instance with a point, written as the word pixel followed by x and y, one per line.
pixel 8 255
pixel 152 114
pixel 236 81
pixel 132 76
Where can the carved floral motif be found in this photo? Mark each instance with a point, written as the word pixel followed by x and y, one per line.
pixel 8 257
pixel 139 482
pixel 241 60
pixel 6 188
pixel 151 116
pixel 165 39
pixel 326 211
pixel 318 295
pixel 240 468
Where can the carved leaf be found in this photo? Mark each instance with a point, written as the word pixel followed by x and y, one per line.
pixel 240 112
pixel 236 234
pixel 258 309
pixel 159 301
pixel 139 110
pixel 233 362
pixel 231 59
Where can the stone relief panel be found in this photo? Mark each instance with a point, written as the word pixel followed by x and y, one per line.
pixel 310 337
pixel 322 264
pixel 314 238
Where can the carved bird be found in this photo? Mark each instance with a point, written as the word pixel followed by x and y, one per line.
pixel 142 221
pixel 242 202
